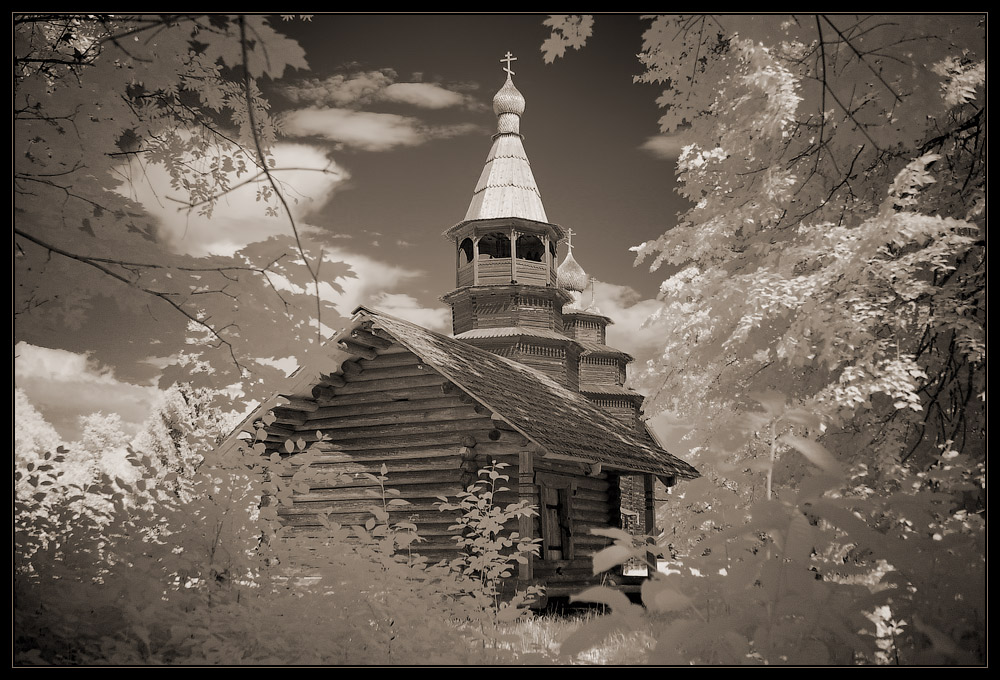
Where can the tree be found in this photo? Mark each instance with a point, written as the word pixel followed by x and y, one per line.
pixel 99 98
pixel 826 297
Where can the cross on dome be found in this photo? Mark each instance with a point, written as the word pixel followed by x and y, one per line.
pixel 508 58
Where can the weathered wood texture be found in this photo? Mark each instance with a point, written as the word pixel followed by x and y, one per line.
pixel 390 408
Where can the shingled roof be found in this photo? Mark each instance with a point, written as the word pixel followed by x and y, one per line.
pixel 561 421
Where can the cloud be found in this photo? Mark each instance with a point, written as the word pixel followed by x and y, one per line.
pixel 366 130
pixel 409 308
pixel 66 385
pixel 366 87
pixel 341 90
pixel 424 95
pixel 307 177
pixel 630 312
pixel 667 147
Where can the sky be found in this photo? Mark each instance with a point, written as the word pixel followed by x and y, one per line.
pixel 399 109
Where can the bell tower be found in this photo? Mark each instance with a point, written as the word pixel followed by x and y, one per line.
pixel 507 300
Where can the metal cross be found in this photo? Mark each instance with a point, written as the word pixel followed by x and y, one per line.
pixel 569 237
pixel 508 58
pixel 593 284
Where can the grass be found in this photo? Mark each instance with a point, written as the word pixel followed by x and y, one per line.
pixel 537 641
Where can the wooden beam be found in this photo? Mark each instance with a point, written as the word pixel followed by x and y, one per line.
pixel 526 492
pixel 367 420
pixel 370 339
pixel 286 416
pixel 354 387
pixel 299 403
pixel 358 349
pixel 332 380
pixel 336 410
pixel 351 369
pixel 648 484
pixel 323 392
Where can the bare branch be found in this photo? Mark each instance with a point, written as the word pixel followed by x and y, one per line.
pixel 274 185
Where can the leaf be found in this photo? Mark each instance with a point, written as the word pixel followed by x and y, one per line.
pixel 659 596
pixel 289 446
pixel 589 635
pixel 615 599
pixel 774 402
pixel 610 557
pixel 813 451
pixel 613 532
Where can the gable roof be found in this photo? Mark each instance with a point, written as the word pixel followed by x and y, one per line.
pixel 559 420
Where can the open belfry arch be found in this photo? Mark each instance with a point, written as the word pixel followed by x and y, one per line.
pixel 527 379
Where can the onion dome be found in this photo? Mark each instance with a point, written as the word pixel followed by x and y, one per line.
pixel 508 105
pixel 571 275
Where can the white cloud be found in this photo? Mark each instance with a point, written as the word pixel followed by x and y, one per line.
pixel 365 87
pixel 307 177
pixel 342 90
pixel 65 385
pixel 359 129
pixel 366 130
pixel 424 95
pixel 667 147
pixel 372 283
pixel 409 308
pixel 630 313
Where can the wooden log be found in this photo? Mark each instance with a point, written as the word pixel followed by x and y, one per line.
pixel 332 380
pixel 379 419
pixel 275 430
pixel 339 435
pixel 388 456
pixel 407 473
pixel 350 369
pixel 389 395
pixel 306 518
pixel 286 416
pixel 395 372
pixel 359 386
pixel 362 337
pixel 387 360
pixel 299 403
pixel 323 392
pixel 441 439
pixel 357 349
pixel 339 410
pixel 410 493
pixel 349 507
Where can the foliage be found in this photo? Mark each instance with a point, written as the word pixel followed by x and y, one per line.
pixel 568 30
pixel 490 551
pixel 831 268
pixel 100 100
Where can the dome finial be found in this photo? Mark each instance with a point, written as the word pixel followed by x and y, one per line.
pixel 507 59
pixel 570 274
pixel 508 103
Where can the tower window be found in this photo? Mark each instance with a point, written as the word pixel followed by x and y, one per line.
pixel 530 247
pixel 494 245
pixel 467 250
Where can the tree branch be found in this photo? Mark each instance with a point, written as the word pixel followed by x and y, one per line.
pixel 274 185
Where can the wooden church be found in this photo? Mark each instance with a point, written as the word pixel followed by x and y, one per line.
pixel 527 379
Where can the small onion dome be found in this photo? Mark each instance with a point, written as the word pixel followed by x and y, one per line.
pixel 508 99
pixel 571 275
pixel 508 104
